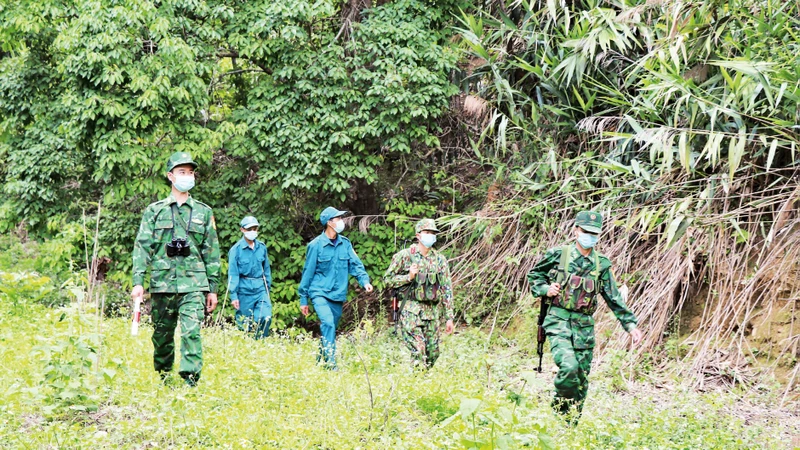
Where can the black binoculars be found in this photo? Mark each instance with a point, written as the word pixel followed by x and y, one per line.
pixel 178 247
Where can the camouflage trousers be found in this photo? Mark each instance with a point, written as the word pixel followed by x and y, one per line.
pixel 571 337
pixel 421 337
pixel 168 310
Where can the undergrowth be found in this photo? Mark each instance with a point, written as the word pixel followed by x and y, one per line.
pixel 75 380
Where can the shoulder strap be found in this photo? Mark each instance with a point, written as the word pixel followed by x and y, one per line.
pixel 596 271
pixel 566 259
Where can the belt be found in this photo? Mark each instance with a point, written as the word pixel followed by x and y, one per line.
pixel 251 278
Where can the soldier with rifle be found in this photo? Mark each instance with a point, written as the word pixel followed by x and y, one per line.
pixel 569 279
pixel 421 277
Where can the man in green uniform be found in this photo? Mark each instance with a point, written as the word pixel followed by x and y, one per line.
pixel 177 241
pixel 569 278
pixel 422 279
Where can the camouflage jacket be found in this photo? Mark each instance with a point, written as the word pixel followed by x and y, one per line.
pixel 198 272
pixel 431 268
pixel 539 279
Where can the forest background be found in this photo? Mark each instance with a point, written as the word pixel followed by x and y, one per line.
pixel 502 119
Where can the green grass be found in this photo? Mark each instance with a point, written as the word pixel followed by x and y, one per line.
pixel 270 394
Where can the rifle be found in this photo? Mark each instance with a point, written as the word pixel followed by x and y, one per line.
pixel 540 336
pixel 395 307
pixel 395 311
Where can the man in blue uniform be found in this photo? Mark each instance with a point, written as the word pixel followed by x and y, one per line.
pixel 249 281
pixel 330 258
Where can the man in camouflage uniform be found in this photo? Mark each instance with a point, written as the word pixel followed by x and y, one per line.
pixel 177 241
pixel 569 278
pixel 422 279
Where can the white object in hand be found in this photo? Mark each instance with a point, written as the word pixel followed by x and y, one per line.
pixel 137 312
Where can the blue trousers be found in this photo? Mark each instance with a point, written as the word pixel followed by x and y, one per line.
pixel 329 313
pixel 254 314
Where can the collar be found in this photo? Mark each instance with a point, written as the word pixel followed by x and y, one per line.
pixel 171 199
pixel 575 250
pixel 431 251
pixel 327 241
pixel 243 243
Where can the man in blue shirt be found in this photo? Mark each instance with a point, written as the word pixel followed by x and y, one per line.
pixel 330 258
pixel 249 281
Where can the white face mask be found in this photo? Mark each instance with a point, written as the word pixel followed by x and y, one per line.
pixel 183 183
pixel 338 226
pixel 251 235
pixel 427 239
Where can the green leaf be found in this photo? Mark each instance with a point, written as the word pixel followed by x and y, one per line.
pixel 468 407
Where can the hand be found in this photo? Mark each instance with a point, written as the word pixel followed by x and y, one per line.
pixel 211 302
pixel 304 310
pixel 138 291
pixel 449 327
pixel 636 335
pixel 554 289
pixel 413 271
pixel 235 304
pixel 368 288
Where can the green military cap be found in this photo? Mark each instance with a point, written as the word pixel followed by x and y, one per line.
pixel 426 225
pixel 178 159
pixel 590 221
pixel 248 222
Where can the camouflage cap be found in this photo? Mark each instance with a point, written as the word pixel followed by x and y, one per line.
pixel 590 221
pixel 426 225
pixel 248 222
pixel 178 159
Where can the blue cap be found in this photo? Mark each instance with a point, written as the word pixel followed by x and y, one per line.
pixel 329 213
pixel 248 222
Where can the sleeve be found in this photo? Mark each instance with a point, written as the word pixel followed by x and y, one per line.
pixel 267 268
pixel 356 268
pixel 233 274
pixel 615 301
pixel 538 277
pixel 142 247
pixel 447 284
pixel 395 276
pixel 210 254
pixel 308 272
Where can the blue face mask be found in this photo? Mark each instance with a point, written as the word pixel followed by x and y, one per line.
pixel 587 240
pixel 427 239
pixel 251 235
pixel 184 183
pixel 338 226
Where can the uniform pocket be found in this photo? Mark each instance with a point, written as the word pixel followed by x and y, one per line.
pixel 197 232
pixel 583 333
pixel 588 285
pixel 323 264
pixel 555 325
pixel 163 230
pixel 343 260
pixel 194 279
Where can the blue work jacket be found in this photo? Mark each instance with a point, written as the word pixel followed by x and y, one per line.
pixel 327 267
pixel 246 267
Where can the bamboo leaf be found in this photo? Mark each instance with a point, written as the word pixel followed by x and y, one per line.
pixel 736 151
pixel 684 152
pixel 771 154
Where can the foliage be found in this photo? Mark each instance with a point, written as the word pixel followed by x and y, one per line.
pixel 287 107
pixel 19 288
pixel 673 119
pixel 273 395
